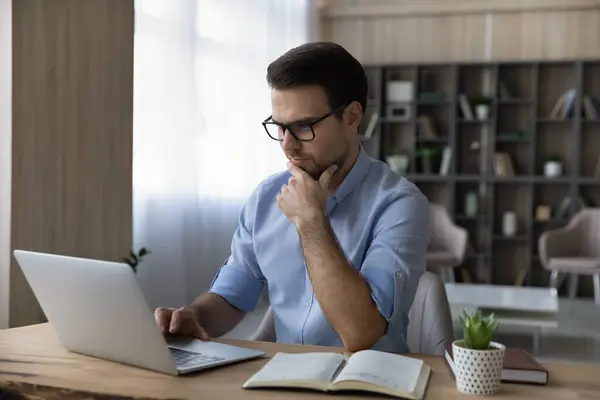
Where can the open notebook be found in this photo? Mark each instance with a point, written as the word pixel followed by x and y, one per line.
pixel 368 370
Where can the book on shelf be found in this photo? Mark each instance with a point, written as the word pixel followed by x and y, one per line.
pixel 427 128
pixel 503 165
pixel 564 106
pixel 504 92
pixel 519 366
pixel 367 371
pixel 367 128
pixel 591 107
pixel 446 159
pixel 465 107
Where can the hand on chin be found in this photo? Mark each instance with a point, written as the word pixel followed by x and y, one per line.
pixel 304 197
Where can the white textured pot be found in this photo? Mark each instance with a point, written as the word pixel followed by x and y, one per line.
pixel 478 372
pixel 509 224
pixel 483 112
pixel 552 169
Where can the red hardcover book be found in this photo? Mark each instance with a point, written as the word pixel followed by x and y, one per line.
pixel 519 366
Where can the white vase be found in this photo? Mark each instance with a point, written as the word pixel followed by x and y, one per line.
pixel 478 372
pixel 509 224
pixel 483 112
pixel 552 169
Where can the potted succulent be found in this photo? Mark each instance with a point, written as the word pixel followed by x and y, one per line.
pixel 553 166
pixel 478 360
pixel 133 259
pixel 482 107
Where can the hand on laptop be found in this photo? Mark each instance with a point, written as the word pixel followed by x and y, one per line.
pixel 180 321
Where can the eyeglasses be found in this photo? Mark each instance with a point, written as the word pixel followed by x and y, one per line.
pixel 302 131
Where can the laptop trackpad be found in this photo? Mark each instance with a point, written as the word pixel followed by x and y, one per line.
pixel 209 348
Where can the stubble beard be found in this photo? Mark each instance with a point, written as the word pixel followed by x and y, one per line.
pixel 318 169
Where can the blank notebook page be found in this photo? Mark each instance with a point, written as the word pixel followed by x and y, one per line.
pixel 383 369
pixel 299 367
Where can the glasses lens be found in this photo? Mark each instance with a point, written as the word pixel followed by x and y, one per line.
pixel 302 132
pixel 274 131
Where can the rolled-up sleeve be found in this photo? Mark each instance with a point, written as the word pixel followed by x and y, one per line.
pixel 239 280
pixel 395 258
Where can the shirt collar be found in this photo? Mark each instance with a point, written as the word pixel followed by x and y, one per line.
pixel 355 176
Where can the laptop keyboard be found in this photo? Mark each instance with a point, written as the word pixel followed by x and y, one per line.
pixel 186 359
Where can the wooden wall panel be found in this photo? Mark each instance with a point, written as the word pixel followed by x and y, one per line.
pixel 5 156
pixel 72 134
pixel 546 35
pixel 463 30
pixel 388 40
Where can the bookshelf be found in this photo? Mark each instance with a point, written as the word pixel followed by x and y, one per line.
pixel 537 112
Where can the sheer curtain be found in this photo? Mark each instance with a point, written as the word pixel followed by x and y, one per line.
pixel 199 148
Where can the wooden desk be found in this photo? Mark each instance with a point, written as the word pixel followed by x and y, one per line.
pixel 31 356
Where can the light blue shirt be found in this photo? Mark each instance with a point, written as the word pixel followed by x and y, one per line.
pixel 381 222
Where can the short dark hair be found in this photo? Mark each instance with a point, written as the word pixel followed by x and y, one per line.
pixel 325 64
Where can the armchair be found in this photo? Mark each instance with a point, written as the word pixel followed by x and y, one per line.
pixel 448 243
pixel 574 250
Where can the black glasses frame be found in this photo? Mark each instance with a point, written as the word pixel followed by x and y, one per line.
pixel 288 127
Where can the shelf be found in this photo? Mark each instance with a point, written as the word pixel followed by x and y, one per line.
pixel 589 180
pixel 559 221
pixel 537 179
pixel 553 121
pixel 514 101
pixel 473 122
pixel 442 140
pixel 516 238
pixel 428 178
pixel 434 102
pixel 513 179
pixel 516 140
pixel 469 178
pixel 522 97
pixel 541 179
pixel 388 120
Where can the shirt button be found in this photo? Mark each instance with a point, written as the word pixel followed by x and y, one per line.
pixel 399 274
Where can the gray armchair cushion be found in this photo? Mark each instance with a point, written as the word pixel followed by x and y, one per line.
pixel 579 265
pixel 440 259
pixel 448 243
pixel 574 248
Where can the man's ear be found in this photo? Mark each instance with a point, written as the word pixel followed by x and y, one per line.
pixel 354 115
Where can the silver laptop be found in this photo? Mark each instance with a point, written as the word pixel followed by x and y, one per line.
pixel 97 308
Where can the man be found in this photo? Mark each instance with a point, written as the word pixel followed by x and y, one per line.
pixel 338 237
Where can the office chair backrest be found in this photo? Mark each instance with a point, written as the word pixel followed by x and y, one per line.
pixel 430 327
pixel 266 330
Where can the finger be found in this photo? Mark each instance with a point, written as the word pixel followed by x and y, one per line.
pixel 199 332
pixel 162 317
pixel 325 177
pixel 177 319
pixel 296 171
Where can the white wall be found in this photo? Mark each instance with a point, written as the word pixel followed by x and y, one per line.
pixel 5 155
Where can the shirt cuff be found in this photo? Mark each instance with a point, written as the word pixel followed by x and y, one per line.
pixel 386 289
pixel 241 289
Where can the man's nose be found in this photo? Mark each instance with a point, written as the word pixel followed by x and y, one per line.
pixel 289 141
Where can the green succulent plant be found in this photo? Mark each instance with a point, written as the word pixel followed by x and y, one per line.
pixel 478 330
pixel 133 259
